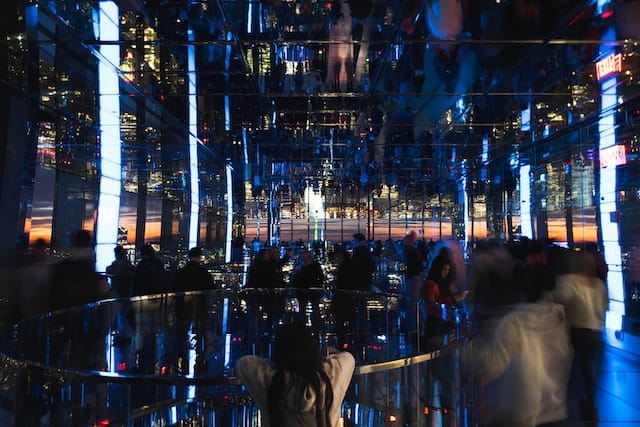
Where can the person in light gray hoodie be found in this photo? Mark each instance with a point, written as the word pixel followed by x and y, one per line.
pixel 586 300
pixel 298 388
pixel 521 354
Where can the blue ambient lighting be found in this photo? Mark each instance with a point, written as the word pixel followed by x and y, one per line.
pixel 526 229
pixel 193 144
pixel 110 145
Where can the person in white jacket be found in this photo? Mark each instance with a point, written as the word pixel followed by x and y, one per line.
pixel 521 355
pixel 586 300
pixel 298 387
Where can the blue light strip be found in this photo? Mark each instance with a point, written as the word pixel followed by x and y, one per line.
pixel 193 144
pixel 227 67
pixel 526 229
pixel 249 17
pixel 466 206
pixel 229 237
pixel 225 324
pixel 110 155
pixel 607 203
pixel 245 152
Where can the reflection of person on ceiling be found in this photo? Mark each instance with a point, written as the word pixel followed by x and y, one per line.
pixel 340 58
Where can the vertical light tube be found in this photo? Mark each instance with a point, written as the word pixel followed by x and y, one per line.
pixel 227 250
pixel 193 143
pixel 607 203
pixel 245 153
pixel 225 332
pixel 249 17
pixel 526 228
pixel 106 235
pixel 465 209
pixel 227 67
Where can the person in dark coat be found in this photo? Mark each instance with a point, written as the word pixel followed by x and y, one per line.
pixel 150 276
pixel 193 276
pixel 120 271
pixel 309 273
pixel 261 273
pixel 362 264
pixel 74 280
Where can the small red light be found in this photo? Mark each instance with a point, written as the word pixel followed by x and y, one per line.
pixel 163 370
pixel 122 366
pixel 425 410
pixel 104 422
pixel 345 346
pixel 445 410
pixel 607 14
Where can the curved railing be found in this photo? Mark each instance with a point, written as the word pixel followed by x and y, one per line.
pixel 169 359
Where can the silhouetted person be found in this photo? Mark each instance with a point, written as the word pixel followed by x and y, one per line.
pixel 414 264
pixel 120 271
pixel 277 263
pixel 150 276
pixel 362 264
pixel 35 281
pixel 298 387
pixel 193 276
pixel 261 273
pixel 74 280
pixel 309 273
pixel 343 298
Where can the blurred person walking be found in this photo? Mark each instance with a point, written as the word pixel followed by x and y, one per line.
pixel 585 298
pixel 521 353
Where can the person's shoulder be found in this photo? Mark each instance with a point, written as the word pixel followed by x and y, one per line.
pixel 342 360
pixel 247 366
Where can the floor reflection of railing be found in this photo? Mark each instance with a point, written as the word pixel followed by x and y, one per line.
pixel 164 359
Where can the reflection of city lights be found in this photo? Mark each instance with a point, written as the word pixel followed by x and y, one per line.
pixel 127 66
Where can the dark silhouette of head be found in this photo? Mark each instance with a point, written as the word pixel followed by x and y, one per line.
pixel 82 239
pixel 120 252
pixel 147 251
pixel 296 350
pixel 195 252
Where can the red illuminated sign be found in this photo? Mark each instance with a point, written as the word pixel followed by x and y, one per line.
pixel 613 156
pixel 609 65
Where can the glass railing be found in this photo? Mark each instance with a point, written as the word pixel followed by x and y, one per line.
pixel 169 359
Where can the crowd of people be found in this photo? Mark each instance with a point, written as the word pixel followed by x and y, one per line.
pixel 538 310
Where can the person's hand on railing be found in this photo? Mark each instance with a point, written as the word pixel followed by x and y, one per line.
pixel 461 296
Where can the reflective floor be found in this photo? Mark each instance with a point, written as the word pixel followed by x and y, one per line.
pixel 618 396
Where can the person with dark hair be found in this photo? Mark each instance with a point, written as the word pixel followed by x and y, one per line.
pixel 150 276
pixel 309 272
pixel 362 264
pixel 436 290
pixel 120 272
pixel 297 387
pixel 261 273
pixel 193 276
pixel 414 264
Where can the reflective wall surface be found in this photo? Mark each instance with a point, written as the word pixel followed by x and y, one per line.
pixel 166 359
pixel 184 123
